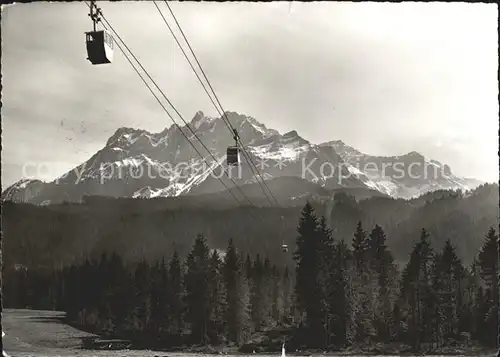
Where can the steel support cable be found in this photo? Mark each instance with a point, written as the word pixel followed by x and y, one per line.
pixel 224 116
pixel 225 121
pixel 180 116
pixel 228 124
pixel 166 111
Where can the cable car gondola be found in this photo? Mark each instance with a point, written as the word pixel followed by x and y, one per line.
pixel 233 155
pixel 99 47
pixel 99 43
pixel 233 152
pixel 284 247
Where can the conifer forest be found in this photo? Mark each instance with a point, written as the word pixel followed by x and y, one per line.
pixel 335 295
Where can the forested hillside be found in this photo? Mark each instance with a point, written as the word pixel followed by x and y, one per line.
pixel 337 294
pixel 57 235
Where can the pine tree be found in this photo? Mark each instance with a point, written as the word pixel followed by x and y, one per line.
pixel 305 256
pixel 231 281
pixel 448 272
pixel 437 312
pixel 267 292
pixel 156 299
pixel 103 285
pixel 248 267
pixel 164 289
pixel 469 285
pixel 217 300
pixel 327 278
pixel 360 248
pixel 362 287
pixel 175 295
pixel 342 323
pixel 308 288
pixel 245 310
pixel 198 290
pixel 140 316
pixel 488 263
pixel 416 291
pixel 119 296
pixel 277 300
pixel 382 267
pixel 257 299
pixel 287 295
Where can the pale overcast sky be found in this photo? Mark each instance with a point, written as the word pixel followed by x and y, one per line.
pixel 386 78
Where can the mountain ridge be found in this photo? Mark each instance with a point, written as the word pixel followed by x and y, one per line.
pixel 138 163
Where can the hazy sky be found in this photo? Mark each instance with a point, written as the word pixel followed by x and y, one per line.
pixel 386 78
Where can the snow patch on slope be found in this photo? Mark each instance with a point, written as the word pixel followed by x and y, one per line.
pixel 197 179
pixel 284 152
pixel 287 147
pixel 377 182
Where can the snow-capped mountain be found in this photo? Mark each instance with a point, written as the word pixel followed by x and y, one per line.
pixel 24 190
pixel 137 163
pixel 403 176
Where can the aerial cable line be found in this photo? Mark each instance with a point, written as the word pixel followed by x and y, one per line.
pixel 206 91
pixel 159 101
pixel 224 116
pixel 228 124
pixel 183 52
pixel 161 104
pixel 180 116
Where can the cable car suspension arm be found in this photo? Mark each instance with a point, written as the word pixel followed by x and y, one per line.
pixel 94 14
pixel 235 137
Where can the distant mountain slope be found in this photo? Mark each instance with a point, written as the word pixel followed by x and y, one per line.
pixel 136 228
pixel 140 164
pixel 403 176
pixel 23 191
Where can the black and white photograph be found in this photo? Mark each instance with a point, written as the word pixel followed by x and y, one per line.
pixel 187 179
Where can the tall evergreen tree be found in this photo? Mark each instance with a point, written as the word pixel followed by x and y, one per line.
pixel 141 314
pixel 276 298
pixel 362 286
pixel 119 294
pixel 248 267
pixel 308 287
pixel 175 295
pixel 327 278
pixel 157 300
pixel 197 281
pixel 257 295
pixel 267 292
pixel 287 295
pixel 416 290
pixel 217 300
pixel 488 263
pixel 448 271
pixel 236 295
pixel 360 247
pixel 382 267
pixel 164 289
pixel 342 325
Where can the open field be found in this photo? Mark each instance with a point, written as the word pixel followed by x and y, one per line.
pixel 42 334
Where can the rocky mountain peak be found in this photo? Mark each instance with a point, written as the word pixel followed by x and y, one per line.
pixel 124 135
pixel 133 163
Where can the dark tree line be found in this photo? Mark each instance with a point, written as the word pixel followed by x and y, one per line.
pixel 340 294
pixel 211 298
pixel 356 296
pixel 55 235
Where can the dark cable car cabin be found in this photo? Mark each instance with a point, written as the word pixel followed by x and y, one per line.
pixel 233 156
pixel 99 47
pixel 284 248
